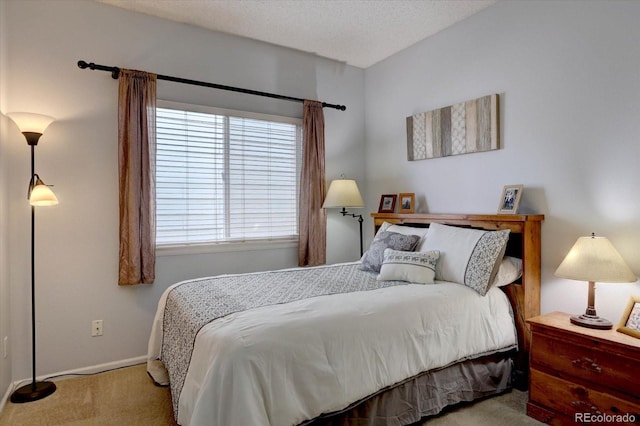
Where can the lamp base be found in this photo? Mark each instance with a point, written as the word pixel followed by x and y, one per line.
pixel 33 392
pixel 591 321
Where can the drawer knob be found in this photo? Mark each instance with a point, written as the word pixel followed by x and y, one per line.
pixel 587 364
pixel 583 406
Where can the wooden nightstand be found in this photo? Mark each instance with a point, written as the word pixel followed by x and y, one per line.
pixel 583 372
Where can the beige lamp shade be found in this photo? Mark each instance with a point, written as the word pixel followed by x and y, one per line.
pixel 42 195
pixel 595 259
pixel 29 122
pixel 343 193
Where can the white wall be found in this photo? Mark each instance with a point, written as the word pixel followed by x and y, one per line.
pixel 5 363
pixel 568 75
pixel 77 241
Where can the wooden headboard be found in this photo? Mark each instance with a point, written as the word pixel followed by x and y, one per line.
pixel 524 242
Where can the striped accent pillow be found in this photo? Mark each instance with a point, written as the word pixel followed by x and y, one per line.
pixel 414 267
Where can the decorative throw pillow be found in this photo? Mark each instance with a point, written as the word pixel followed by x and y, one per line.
pixel 467 256
pixel 407 230
pixel 415 267
pixel 372 259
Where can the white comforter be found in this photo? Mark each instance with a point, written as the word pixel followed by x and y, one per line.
pixel 284 364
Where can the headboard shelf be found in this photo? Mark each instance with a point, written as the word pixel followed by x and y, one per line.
pixel 515 223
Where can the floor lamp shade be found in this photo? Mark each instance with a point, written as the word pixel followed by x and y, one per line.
pixel 31 125
pixel 594 259
pixel 30 122
pixel 41 194
pixel 343 193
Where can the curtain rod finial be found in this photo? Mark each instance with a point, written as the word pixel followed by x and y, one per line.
pixel 338 107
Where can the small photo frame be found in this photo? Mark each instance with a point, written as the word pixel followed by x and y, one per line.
pixel 387 203
pixel 630 321
pixel 407 202
pixel 510 199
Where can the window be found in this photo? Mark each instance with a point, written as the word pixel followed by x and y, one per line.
pixel 225 176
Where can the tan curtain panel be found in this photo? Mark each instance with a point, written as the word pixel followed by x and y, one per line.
pixel 312 247
pixel 136 162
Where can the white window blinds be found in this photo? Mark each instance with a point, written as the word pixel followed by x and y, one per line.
pixel 225 176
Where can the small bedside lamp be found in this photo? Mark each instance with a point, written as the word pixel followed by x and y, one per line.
pixel 344 193
pixel 594 259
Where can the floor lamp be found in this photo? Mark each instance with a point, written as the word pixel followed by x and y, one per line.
pixel 32 126
pixel 344 193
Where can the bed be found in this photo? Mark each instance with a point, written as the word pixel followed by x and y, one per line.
pixel 335 345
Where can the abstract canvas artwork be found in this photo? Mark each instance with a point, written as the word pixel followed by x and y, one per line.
pixel 461 128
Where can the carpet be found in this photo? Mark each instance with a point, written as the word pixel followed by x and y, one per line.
pixel 124 397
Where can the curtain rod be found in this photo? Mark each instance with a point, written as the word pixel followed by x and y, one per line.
pixel 115 73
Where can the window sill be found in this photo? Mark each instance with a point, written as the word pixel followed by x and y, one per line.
pixel 226 247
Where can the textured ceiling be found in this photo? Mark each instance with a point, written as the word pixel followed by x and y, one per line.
pixel 357 32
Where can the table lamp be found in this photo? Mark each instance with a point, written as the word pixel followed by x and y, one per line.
pixel 594 259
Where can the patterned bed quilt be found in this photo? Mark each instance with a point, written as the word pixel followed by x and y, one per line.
pixel 283 347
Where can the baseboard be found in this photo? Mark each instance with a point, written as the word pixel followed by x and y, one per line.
pixel 100 368
pixel 5 398
pixel 94 369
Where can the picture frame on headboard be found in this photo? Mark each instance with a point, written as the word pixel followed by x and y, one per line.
pixel 387 203
pixel 630 321
pixel 407 202
pixel 510 199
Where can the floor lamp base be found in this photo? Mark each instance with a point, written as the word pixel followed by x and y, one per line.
pixel 33 392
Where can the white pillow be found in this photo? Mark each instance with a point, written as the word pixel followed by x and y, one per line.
pixel 467 256
pixel 414 267
pixel 510 269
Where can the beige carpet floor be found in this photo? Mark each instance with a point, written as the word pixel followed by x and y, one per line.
pixel 124 397
pixel 128 397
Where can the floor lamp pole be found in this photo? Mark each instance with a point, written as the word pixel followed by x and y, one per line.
pixel 35 390
pixel 33 280
pixel 360 220
pixel 344 212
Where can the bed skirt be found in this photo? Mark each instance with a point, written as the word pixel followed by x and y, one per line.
pixel 426 394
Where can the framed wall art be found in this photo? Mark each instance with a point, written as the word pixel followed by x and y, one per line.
pixel 630 321
pixel 462 128
pixel 407 202
pixel 510 199
pixel 387 203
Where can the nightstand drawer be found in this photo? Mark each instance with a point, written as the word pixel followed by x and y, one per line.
pixel 593 365
pixel 570 399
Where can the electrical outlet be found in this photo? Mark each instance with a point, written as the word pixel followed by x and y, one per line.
pixel 5 346
pixel 96 328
